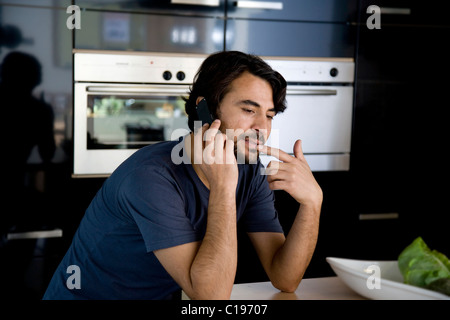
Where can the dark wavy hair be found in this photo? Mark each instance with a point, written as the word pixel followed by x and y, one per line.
pixel 216 73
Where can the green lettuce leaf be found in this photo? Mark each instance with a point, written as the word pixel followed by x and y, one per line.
pixel 421 266
pixel 442 285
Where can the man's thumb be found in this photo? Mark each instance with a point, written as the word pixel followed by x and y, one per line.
pixel 298 152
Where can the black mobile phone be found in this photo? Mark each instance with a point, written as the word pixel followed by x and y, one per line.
pixel 203 112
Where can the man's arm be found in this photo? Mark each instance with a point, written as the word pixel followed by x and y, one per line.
pixel 285 259
pixel 206 269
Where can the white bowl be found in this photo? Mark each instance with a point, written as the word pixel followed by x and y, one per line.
pixel 379 280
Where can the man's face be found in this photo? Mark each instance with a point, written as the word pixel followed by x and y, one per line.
pixel 248 110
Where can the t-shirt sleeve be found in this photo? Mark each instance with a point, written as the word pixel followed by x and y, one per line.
pixel 154 200
pixel 260 214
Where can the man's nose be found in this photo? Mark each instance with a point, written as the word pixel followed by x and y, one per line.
pixel 260 122
pixel 261 126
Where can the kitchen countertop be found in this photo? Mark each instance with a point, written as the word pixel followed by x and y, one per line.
pixel 327 288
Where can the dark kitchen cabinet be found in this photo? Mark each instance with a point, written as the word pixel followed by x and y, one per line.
pixel 399 128
pixel 290 38
pixel 291 28
pixel 211 8
pixel 302 28
pixel 337 11
pixel 152 25
pixel 106 30
pixel 410 12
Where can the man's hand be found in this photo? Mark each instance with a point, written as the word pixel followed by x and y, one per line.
pixel 293 175
pixel 286 259
pixel 217 161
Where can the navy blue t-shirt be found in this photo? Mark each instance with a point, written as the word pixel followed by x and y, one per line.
pixel 149 203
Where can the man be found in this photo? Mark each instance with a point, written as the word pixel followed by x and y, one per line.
pixel 156 226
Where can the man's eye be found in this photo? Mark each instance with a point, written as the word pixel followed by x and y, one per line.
pixel 248 110
pixel 270 117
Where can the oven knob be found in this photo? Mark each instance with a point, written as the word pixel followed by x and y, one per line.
pixel 181 75
pixel 334 72
pixel 167 75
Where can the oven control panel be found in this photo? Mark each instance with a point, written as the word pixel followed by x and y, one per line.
pixel 145 67
pixel 332 70
pixel 99 66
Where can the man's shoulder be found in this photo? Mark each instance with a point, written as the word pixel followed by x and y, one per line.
pixel 160 147
pixel 158 153
pixel 155 159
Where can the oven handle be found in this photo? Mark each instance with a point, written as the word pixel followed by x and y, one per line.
pixel 310 92
pixel 139 90
pixel 183 90
pixel 260 5
pixel 211 3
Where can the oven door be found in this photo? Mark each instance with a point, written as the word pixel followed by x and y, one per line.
pixel 112 121
pixel 321 116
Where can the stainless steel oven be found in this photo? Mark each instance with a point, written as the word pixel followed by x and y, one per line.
pixel 125 100
pixel 320 110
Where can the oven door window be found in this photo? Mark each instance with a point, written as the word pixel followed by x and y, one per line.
pixel 133 121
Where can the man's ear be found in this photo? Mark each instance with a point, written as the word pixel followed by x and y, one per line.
pixel 198 100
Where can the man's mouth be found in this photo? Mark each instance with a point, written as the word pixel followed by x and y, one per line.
pixel 249 142
pixel 252 143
